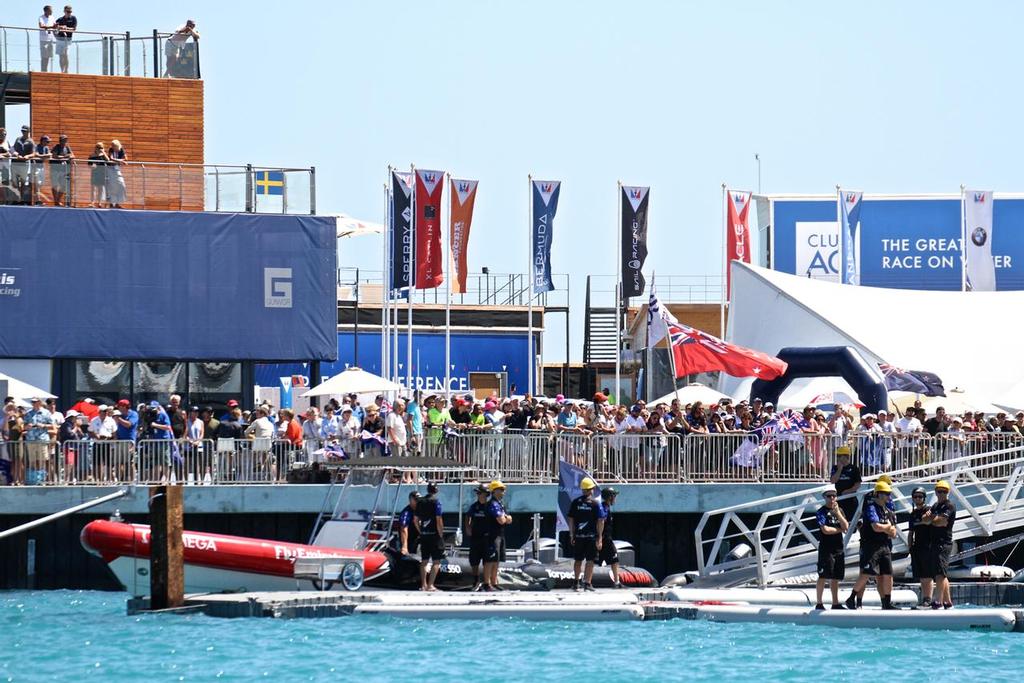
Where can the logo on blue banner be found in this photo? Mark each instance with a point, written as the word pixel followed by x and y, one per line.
pixel 545 204
pixel 569 478
pixel 849 211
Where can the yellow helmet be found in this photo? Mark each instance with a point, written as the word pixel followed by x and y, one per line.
pixel 885 478
pixel 942 484
pixel 882 487
pixel 588 484
pixel 843 450
pixel 495 485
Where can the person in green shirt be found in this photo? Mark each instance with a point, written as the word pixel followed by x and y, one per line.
pixel 476 418
pixel 437 417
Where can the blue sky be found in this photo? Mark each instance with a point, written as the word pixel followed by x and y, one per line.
pixel 884 97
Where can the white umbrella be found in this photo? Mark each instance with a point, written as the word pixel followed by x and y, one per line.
pixel 692 393
pixel 21 390
pixel 353 381
pixel 956 402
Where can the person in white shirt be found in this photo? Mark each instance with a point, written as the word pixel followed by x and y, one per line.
pixel 351 427
pixel 394 423
pixel 102 427
pixel 330 424
pixel 46 38
pixel 261 427
pixel 908 425
pixel 176 42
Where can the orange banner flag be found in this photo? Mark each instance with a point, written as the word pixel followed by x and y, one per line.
pixel 462 196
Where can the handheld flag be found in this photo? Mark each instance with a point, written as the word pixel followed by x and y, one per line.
pixel 658 319
pixel 917 381
pixel 569 478
pixel 696 351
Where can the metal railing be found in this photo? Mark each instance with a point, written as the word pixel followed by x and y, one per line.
pixel 25 49
pixel 518 456
pixel 670 288
pixel 158 186
pixel 482 289
pixel 780 531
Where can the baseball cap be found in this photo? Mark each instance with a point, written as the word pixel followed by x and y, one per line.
pixel 490 405
pixel 72 413
pixel 123 402
pixel 232 403
pixel 103 406
pixel 600 398
pixel 25 129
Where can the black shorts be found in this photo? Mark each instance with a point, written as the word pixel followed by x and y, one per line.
pixel 584 549
pixel 940 553
pixel 608 554
pixel 494 551
pixel 831 564
pixel 478 549
pixel 876 561
pixel 431 547
pixel 921 563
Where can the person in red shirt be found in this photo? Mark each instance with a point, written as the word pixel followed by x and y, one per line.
pixel 288 428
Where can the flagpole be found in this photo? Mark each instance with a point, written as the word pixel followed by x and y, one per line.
pixel 842 235
pixel 963 239
pixel 448 297
pixel 385 309
pixel 529 288
pixel 618 295
pixel 725 265
pixel 412 281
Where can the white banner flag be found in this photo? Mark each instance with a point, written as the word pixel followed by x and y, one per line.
pixel 658 318
pixel 980 270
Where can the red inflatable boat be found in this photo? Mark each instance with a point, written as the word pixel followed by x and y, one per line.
pixel 215 563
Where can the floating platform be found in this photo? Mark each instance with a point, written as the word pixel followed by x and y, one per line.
pixel 728 606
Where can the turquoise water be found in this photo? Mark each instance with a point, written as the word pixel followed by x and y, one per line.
pixel 72 636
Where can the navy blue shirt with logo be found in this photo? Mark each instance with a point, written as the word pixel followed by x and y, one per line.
pixel 827 517
pixel 922 530
pixel 478 513
pixel 585 513
pixel 495 511
pixel 942 535
pixel 427 511
pixel 877 514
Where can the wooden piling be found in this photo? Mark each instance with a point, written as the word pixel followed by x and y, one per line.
pixel 166 552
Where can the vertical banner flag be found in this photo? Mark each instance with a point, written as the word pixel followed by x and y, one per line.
pixel 634 239
pixel 462 196
pixel 737 232
pixel 981 271
pixel 658 320
pixel 849 219
pixel 401 232
pixel 545 204
pixel 427 229
pixel 569 479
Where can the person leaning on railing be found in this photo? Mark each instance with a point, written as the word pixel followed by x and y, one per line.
pixel 115 186
pixel 60 159
pixel 98 161
pixel 175 43
pixel 46 38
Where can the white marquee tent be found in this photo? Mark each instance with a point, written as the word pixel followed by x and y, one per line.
pixel 969 339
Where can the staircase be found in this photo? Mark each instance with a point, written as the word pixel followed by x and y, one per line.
pixel 599 343
pixel 781 530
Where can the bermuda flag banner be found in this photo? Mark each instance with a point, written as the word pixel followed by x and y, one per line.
pixel 401 231
pixel 634 239
pixel 545 204
pixel 569 478
pixel 695 351
pixel 981 271
pixel 786 426
pixel 917 381
pixel 427 229
pixel 849 219
pixel 462 196
pixel 737 232
pixel 658 319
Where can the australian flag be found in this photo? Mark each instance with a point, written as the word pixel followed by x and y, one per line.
pixel 785 426
pixel 917 381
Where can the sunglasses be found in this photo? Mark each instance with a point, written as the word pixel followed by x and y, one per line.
pixel 917 496
pixel 830 495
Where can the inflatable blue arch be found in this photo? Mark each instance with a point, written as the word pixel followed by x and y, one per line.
pixel 827 361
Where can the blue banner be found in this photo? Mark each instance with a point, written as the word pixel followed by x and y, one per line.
pixel 545 204
pixel 569 478
pixel 849 216
pixel 904 243
pixel 163 285
pixel 400 227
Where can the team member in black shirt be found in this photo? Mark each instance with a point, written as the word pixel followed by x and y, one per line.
pixel 920 541
pixel 846 477
pixel 497 520
pixel 477 528
pixel 430 526
pixel 608 554
pixel 877 531
pixel 407 534
pixel 586 531
pixel 831 554
pixel 941 517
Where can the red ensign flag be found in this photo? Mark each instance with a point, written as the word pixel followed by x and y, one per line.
pixel 697 351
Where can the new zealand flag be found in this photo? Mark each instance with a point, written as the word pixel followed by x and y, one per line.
pixel 917 381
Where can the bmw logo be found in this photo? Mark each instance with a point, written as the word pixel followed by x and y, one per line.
pixel 979 237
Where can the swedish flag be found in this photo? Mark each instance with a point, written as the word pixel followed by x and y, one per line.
pixel 270 182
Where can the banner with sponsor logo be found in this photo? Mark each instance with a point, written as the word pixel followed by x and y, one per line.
pixel 849 219
pixel 462 197
pixel 569 479
pixel 545 204
pixel 427 229
pixel 737 231
pixel 634 239
pixel 401 231
pixel 978 263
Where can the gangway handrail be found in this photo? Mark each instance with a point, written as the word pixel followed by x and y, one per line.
pixel 63 513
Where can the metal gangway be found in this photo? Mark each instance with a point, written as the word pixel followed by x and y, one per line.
pixel 781 530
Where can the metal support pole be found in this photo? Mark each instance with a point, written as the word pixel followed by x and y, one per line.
pixel 312 190
pixel 355 337
pixel 127 53
pixel 27 526
pixel 156 54
pixel 529 290
pixel 248 183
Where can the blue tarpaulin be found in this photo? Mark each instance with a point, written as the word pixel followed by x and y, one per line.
pixel 80 283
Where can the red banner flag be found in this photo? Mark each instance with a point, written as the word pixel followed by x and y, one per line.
pixel 697 351
pixel 427 229
pixel 737 233
pixel 462 196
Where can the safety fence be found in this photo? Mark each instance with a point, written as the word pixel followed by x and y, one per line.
pixel 516 456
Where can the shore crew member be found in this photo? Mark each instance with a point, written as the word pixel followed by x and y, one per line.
pixel 868 498
pixel 609 554
pixel 831 554
pixel 586 531
pixel 920 541
pixel 407 533
pixel 847 477
pixel 941 517
pixel 497 520
pixel 430 525
pixel 877 531
pixel 476 529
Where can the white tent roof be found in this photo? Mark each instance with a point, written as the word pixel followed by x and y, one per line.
pixel 969 339
pixel 22 390
pixel 353 381
pixel 691 393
